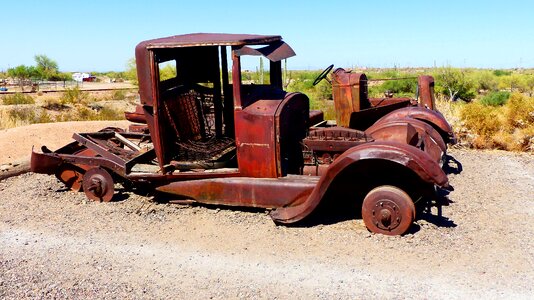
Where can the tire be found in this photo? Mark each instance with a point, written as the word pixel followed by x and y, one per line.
pixel 388 210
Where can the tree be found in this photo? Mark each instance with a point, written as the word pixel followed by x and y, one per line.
pixel 513 81
pixel 22 73
pixel 486 80
pixel 46 67
pixel 131 71
pixel 454 83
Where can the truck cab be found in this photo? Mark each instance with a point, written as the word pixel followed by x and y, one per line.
pixel 204 116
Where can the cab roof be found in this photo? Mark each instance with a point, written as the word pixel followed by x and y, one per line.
pixel 209 39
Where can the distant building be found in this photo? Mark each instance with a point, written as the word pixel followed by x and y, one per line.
pixel 78 76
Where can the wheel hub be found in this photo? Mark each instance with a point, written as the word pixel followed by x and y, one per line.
pixel 98 185
pixel 386 214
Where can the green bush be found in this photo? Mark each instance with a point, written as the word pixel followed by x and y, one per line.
pixel 72 96
pixel 502 73
pixel 18 98
pixel 401 87
pixel 495 99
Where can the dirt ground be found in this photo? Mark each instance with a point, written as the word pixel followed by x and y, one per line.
pixel 56 244
pixel 16 143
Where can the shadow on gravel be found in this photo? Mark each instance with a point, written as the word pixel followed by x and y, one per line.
pixel 120 195
pixel 442 199
pixel 328 213
pixel 438 220
pixel 451 165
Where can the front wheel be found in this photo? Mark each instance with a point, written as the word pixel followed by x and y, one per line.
pixel 388 210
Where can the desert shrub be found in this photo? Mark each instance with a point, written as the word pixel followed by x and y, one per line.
pixel 28 115
pixel 519 112
pixel 18 98
pixel 485 80
pixel 507 127
pixel 107 113
pixel 72 96
pixel 83 113
pixel 5 120
pixel 514 82
pixel 481 119
pixel 495 98
pixel 44 117
pixel 118 95
pixel 53 104
pixel 24 114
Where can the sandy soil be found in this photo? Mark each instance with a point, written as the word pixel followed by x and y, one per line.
pixel 56 244
pixel 16 143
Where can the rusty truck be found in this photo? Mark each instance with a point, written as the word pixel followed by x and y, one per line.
pixel 207 136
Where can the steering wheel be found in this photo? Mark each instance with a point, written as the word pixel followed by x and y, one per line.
pixel 323 75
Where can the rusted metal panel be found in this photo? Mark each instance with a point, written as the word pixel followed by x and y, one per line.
pixel 90 141
pixel 292 123
pixel 236 77
pixel 364 118
pixel 432 117
pixel 316 116
pixel 421 127
pixel 274 51
pixel 335 139
pixel 45 163
pixel 209 39
pixel 145 70
pixel 349 91
pixel 137 116
pixel 411 132
pixel 244 191
pixel 425 84
pixel 256 139
pixel 385 101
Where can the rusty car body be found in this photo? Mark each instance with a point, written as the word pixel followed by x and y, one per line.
pixel 212 138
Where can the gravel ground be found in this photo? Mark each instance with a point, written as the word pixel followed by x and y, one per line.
pixel 56 244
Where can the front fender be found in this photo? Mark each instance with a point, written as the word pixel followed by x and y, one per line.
pixel 416 160
pixel 433 142
pixel 432 117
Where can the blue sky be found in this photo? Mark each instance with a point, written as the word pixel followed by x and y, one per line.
pixel 96 35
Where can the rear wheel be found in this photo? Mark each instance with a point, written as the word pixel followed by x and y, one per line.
pixel 388 210
pixel 98 185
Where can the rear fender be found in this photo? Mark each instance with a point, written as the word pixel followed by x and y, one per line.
pixel 45 163
pixel 410 157
pixel 431 117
